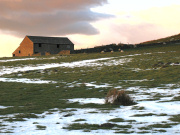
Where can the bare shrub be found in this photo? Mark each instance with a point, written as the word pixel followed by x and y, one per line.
pixel 117 97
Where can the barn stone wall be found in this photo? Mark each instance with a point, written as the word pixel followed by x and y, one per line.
pixel 25 48
pixel 51 48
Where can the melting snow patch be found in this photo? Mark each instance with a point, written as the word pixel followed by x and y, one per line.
pixel 158 108
pixel 97 86
pixel 10 60
pixel 4 107
pixel 172 85
pixel 143 80
pixel 87 100
pixel 25 80
pixel 175 64
pixel 73 84
pixel 83 63
pixel 160 52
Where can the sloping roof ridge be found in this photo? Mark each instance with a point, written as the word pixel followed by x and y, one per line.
pixel 44 36
pixel 53 40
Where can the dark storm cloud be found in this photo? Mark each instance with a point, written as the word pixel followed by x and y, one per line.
pixel 49 17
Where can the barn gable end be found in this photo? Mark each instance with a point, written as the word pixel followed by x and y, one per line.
pixel 25 48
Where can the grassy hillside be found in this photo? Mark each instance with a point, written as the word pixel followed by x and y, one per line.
pixel 29 87
pixel 174 38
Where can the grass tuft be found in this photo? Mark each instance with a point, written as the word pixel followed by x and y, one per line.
pixel 116 120
pixel 175 118
pixel 86 126
pixel 79 120
pixel 39 127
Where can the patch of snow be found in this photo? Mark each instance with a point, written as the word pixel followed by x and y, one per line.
pixel 91 84
pixel 172 85
pixel 23 59
pixel 4 107
pixel 87 100
pixel 10 60
pixel 147 53
pixel 97 86
pixel 174 64
pixel 160 52
pixel 118 87
pixel 130 55
pixel 83 63
pixel 116 62
pixel 136 69
pixel 25 80
pixel 143 80
pixel 52 128
pixel 153 91
pixel 161 107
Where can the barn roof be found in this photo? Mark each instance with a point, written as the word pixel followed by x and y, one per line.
pixel 50 40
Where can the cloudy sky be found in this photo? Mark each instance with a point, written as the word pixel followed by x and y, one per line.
pixel 87 23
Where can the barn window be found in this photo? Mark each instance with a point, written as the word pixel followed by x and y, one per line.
pixel 14 55
pixel 57 46
pixel 40 45
pixel 19 51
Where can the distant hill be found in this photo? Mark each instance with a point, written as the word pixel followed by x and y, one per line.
pixel 118 47
pixel 170 39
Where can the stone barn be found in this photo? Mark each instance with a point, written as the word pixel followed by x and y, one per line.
pixel 37 45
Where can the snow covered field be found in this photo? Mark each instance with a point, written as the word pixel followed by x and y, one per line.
pixel 154 108
pixel 152 112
